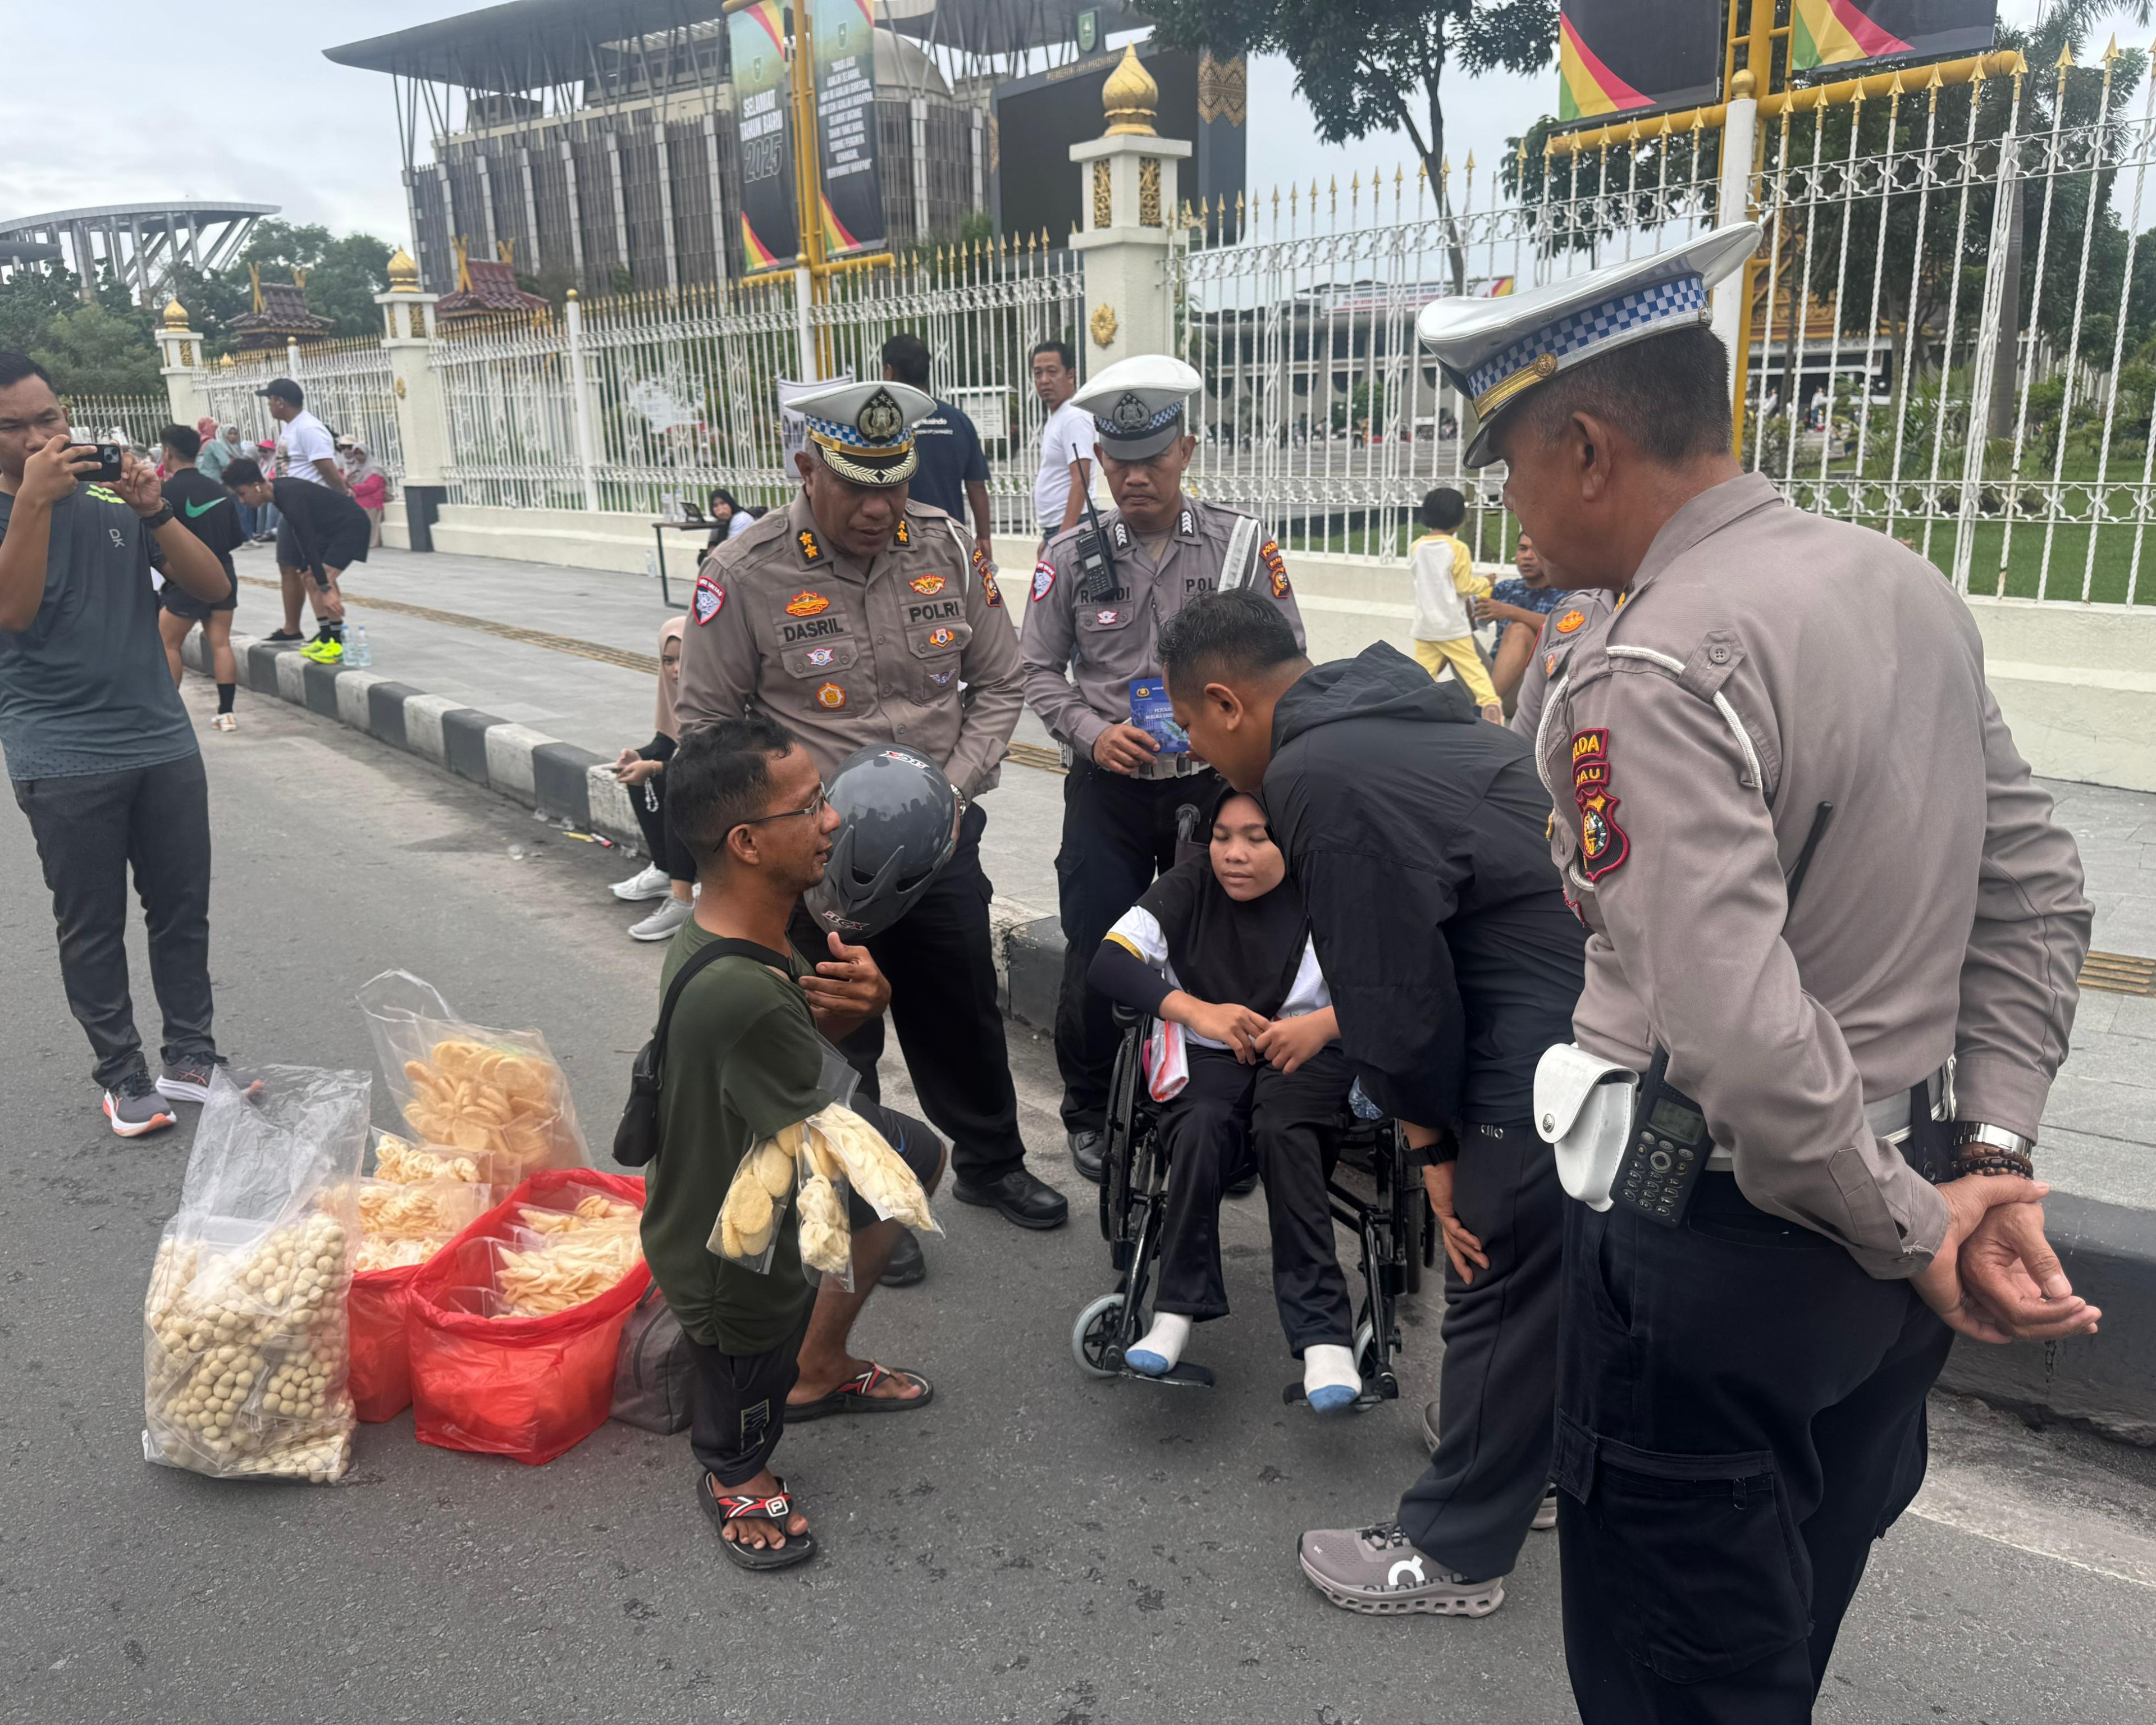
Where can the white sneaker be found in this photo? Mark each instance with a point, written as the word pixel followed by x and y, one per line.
pixel 660 924
pixel 647 882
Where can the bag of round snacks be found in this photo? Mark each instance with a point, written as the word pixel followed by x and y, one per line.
pixel 244 1339
pixel 498 1097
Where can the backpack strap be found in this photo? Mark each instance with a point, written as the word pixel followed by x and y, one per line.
pixel 707 954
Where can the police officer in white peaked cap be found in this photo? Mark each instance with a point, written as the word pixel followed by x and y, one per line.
pixel 1100 593
pixel 1835 938
pixel 858 616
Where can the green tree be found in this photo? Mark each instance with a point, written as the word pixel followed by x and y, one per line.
pixel 1369 66
pixel 92 352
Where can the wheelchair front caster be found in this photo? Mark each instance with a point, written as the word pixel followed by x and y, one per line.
pixel 1094 1334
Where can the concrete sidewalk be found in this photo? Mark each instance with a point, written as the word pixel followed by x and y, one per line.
pixel 531 679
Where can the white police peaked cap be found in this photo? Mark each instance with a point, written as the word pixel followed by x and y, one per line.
pixel 1136 404
pixel 1496 349
pixel 864 432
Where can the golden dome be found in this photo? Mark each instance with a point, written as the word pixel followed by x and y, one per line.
pixel 1130 97
pixel 403 273
pixel 176 316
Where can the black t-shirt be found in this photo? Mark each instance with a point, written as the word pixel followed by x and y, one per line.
pixel 319 515
pixel 950 452
pixel 206 509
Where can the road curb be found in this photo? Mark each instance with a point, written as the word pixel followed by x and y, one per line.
pixel 560 780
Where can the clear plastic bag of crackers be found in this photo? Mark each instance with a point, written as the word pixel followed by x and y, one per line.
pixel 496 1095
pixel 245 1346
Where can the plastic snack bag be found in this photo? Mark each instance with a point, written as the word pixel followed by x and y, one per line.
pixel 481 1092
pixel 244 1335
pixel 870 1166
pixel 826 1228
pixel 746 1230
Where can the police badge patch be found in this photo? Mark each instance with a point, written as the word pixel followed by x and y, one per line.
pixel 831 696
pixel 1044 578
pixel 880 420
pixel 927 585
pixel 1603 844
pixel 710 598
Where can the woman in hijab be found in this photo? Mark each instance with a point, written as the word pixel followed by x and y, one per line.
pixel 370 488
pixel 671 876
pixel 1219 947
pixel 728 517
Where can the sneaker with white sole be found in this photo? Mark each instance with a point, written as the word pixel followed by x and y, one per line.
pixel 649 881
pixel 1375 1571
pixel 660 924
pixel 134 1106
pixel 225 721
pixel 187 1081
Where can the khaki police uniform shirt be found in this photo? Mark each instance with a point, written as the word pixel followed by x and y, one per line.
pixel 1562 629
pixel 1769 660
pixel 1105 643
pixel 843 656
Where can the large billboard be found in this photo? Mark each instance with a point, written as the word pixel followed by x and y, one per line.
pixel 1636 56
pixel 846 125
pixel 1837 33
pixel 770 219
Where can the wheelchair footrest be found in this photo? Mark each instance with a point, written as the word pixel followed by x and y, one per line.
pixel 1182 1375
pixel 1375 1392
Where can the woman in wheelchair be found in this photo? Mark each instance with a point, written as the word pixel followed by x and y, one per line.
pixel 1220 947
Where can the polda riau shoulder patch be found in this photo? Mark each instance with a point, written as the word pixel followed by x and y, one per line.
pixel 1269 554
pixel 1602 843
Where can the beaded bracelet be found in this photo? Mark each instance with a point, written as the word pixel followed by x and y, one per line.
pixel 1991 1161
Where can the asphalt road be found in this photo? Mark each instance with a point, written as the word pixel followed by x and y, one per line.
pixel 1035 1547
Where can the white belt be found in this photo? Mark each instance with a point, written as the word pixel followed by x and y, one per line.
pixel 1888 1118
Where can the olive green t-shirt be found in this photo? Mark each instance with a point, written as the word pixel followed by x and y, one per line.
pixel 743 1061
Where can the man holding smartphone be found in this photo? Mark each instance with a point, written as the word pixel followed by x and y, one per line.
pixel 99 748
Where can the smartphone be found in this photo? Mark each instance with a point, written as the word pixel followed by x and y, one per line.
pixel 108 460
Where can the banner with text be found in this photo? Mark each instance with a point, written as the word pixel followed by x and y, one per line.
pixel 770 219
pixel 846 126
pixel 1632 56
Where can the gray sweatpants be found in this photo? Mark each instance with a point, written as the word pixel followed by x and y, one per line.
pixel 1497 1389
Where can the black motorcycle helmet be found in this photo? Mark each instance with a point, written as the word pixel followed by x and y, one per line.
pixel 897 821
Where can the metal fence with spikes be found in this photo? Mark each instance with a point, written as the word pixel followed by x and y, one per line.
pixel 347 384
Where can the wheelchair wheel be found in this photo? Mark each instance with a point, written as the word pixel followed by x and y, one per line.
pixel 1093 1332
pixel 1382 1383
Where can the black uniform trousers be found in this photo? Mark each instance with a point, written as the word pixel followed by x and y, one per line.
pixel 1118 833
pixel 940 962
pixel 1211 1126
pixel 1473 1508
pixel 1740 1415
pixel 91 829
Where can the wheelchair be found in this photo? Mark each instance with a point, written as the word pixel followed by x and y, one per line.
pixel 1395 1241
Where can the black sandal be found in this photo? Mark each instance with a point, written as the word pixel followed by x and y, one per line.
pixel 725 1506
pixel 853 1397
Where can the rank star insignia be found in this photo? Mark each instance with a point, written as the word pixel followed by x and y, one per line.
pixel 927 584
pixel 943 638
pixel 1570 621
pixel 710 598
pixel 1044 578
pixel 809 549
pixel 806 603
pixel 831 696
pixel 904 535
pixel 1602 843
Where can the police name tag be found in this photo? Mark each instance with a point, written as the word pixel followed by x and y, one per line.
pixel 1152 714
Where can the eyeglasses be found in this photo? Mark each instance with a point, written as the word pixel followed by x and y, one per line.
pixel 817 805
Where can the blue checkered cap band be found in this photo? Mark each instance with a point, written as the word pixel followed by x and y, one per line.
pixel 1160 421
pixel 838 434
pixel 1576 332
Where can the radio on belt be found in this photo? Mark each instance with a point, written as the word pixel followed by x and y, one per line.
pixel 1668 1150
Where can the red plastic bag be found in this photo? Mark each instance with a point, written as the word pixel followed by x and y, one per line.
pixel 528 1388
pixel 381 1360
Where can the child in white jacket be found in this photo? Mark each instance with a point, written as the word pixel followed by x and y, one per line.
pixel 1444 583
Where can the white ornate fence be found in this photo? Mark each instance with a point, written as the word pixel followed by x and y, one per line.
pixel 347 384
pixel 140 417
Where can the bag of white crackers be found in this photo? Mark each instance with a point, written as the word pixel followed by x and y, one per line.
pixel 245 1346
pixel 498 1096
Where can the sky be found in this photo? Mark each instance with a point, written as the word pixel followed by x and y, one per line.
pixel 133 110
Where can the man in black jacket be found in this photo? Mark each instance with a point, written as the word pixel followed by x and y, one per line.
pixel 1416 833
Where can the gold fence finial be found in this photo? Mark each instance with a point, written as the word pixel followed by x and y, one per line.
pixel 1130 97
pixel 2065 56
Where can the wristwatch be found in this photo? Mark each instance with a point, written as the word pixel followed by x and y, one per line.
pixel 164 514
pixel 1997 1137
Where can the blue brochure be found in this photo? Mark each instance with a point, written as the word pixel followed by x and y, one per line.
pixel 1151 712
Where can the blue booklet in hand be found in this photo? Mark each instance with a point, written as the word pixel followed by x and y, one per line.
pixel 1151 712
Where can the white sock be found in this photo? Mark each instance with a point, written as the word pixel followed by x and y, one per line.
pixel 1327 1365
pixel 1170 1331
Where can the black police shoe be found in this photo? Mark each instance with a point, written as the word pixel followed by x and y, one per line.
pixel 906 1266
pixel 1020 1196
pixel 1089 1154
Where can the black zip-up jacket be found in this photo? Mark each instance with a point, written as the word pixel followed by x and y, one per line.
pixel 1418 833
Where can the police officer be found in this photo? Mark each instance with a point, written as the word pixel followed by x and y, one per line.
pixel 855 616
pixel 1835 932
pixel 1101 592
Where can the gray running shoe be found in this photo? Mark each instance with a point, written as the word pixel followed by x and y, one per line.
pixel 1375 1571
pixel 660 924
pixel 134 1106
pixel 187 1081
pixel 648 882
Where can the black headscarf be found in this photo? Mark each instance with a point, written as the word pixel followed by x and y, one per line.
pixel 1226 951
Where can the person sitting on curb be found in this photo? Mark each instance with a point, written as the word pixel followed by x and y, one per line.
pixel 745 1061
pixel 671 873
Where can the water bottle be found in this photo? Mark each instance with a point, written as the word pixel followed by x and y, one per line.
pixel 358 654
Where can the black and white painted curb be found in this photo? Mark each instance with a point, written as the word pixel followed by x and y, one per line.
pixel 2107 1381
pixel 560 780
